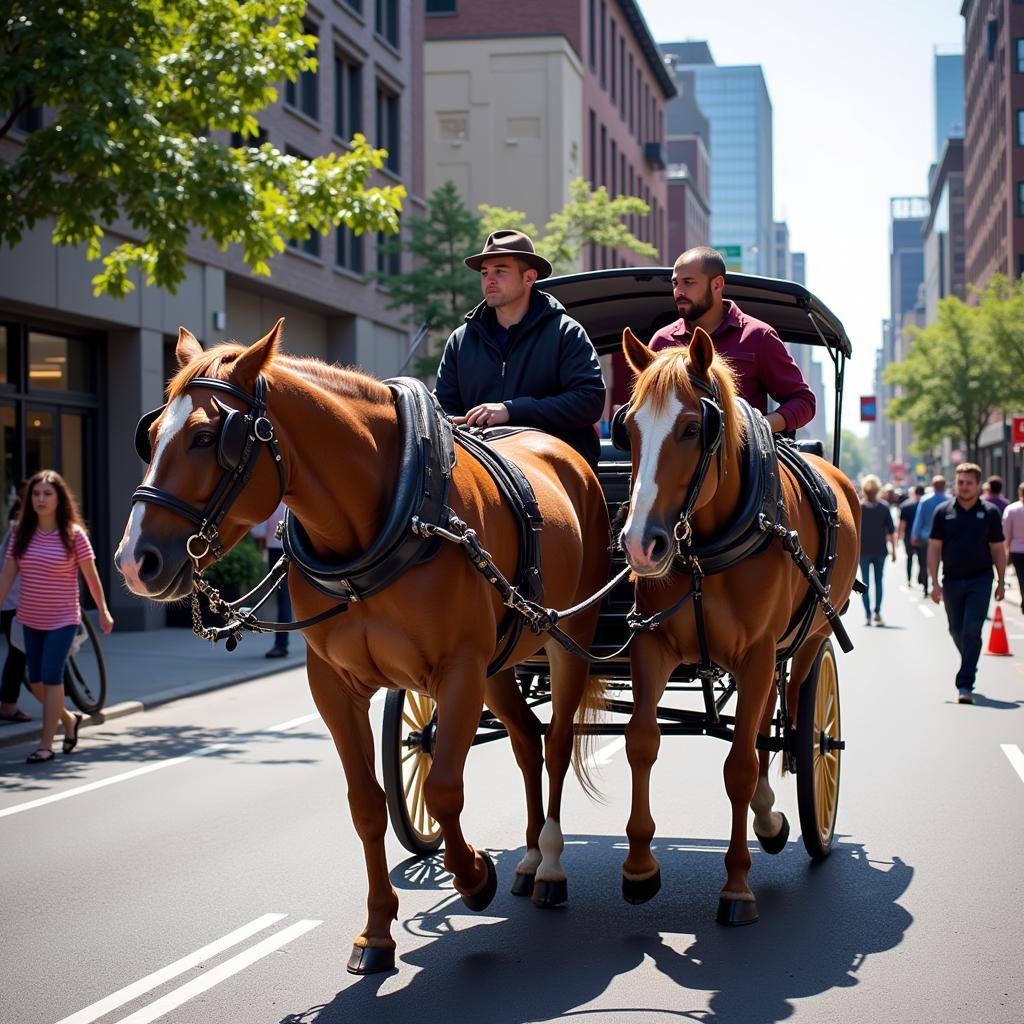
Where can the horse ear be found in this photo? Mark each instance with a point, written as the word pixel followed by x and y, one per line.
pixel 251 362
pixel 188 348
pixel 637 354
pixel 702 352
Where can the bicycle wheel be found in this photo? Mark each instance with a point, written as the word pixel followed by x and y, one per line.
pixel 85 673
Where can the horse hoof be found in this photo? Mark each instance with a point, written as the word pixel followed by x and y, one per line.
pixel 547 894
pixel 637 892
pixel 522 885
pixel 371 960
pixel 777 843
pixel 733 913
pixel 481 899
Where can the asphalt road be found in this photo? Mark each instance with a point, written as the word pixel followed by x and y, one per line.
pixel 197 863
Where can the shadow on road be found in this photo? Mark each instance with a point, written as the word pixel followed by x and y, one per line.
pixel 516 963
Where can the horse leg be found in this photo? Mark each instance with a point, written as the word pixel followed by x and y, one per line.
pixel 736 904
pixel 650 670
pixel 348 718
pixel 458 718
pixel 569 681
pixel 770 827
pixel 506 701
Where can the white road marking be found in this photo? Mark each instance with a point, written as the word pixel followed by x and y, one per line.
pixel 1013 752
pixel 123 777
pixel 926 611
pixel 215 976
pixel 609 750
pixel 165 974
pixel 292 723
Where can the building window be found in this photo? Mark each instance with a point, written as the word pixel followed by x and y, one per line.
pixel 604 48
pixel 992 26
pixel 30 117
pixel 1020 198
pixel 1020 56
pixel 252 142
pixel 356 5
pixel 615 169
pixel 622 77
pixel 389 254
pixel 303 95
pixel 348 97
pixel 632 126
pixel 593 35
pixel 59 363
pixel 311 245
pixel 1020 127
pixel 349 252
pixel 388 125
pixel 593 149
pixel 385 22
pixel 614 76
pixel 441 7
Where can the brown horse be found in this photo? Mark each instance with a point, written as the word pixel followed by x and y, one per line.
pixel 433 630
pixel 684 403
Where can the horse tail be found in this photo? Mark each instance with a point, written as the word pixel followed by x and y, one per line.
pixel 592 706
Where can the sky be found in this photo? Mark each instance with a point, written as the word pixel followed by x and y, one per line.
pixel 852 91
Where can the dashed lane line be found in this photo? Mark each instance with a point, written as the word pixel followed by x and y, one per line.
pixel 218 974
pixel 139 988
pixel 1013 752
pixel 294 723
pixel 926 611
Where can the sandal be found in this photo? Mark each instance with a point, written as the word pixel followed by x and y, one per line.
pixel 39 757
pixel 71 741
pixel 17 715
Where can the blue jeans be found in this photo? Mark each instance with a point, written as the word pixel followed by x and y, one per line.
pixel 966 604
pixel 876 562
pixel 46 650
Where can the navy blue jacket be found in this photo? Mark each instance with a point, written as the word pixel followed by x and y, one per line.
pixel 548 377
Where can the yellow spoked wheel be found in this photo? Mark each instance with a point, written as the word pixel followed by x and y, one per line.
pixel 819 747
pixel 407 752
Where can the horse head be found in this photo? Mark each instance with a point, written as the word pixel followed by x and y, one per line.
pixel 207 481
pixel 679 432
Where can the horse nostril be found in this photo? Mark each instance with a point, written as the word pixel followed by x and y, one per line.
pixel 659 546
pixel 150 564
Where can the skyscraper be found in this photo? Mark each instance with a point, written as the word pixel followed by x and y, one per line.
pixel 735 100
pixel 949 99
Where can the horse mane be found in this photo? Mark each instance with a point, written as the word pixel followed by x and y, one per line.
pixel 339 381
pixel 669 376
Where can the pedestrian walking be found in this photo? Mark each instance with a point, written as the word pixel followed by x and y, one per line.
pixel 46 551
pixel 268 541
pixel 922 528
pixel 995 493
pixel 967 538
pixel 908 510
pixel 876 535
pixel 14 664
pixel 1013 530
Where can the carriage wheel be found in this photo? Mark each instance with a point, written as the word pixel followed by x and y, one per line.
pixel 819 747
pixel 409 733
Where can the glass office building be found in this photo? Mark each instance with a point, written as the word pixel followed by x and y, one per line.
pixel 735 101
pixel 949 99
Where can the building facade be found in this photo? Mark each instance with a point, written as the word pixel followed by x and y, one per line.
pixel 76 371
pixel 735 101
pixel 944 237
pixel 993 138
pixel 513 116
pixel 949 99
pixel 687 138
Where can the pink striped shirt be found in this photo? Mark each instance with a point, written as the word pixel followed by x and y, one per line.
pixel 49 579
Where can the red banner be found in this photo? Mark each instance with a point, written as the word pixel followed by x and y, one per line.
pixel 1017 430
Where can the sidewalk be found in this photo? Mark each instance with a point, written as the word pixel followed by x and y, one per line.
pixel 145 669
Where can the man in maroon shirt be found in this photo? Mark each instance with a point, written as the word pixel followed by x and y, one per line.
pixel 764 368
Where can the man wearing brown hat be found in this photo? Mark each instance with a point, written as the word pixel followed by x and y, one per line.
pixel 520 358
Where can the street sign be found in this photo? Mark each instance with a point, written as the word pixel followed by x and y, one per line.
pixel 1017 430
pixel 733 256
pixel 868 408
pixel 897 472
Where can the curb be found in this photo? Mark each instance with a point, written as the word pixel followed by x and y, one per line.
pixel 14 734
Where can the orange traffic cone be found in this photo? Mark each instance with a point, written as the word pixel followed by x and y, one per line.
pixel 997 635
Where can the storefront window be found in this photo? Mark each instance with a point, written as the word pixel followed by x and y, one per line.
pixel 57 363
pixel 39 446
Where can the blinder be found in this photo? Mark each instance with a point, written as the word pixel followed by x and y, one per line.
pixel 619 433
pixel 142 445
pixel 234 431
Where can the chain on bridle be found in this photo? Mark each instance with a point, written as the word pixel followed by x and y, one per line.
pixel 242 436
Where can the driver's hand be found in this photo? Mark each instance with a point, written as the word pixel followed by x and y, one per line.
pixel 490 414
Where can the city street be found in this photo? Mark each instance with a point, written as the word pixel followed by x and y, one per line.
pixel 196 862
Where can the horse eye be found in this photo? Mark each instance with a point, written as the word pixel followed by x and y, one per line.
pixel 204 440
pixel 691 430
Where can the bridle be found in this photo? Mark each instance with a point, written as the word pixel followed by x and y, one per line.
pixel 241 438
pixel 712 431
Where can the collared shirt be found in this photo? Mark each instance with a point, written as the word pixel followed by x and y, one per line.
pixel 764 368
pixel 966 534
pixel 922 528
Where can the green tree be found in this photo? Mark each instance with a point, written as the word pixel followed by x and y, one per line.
pixel 1001 305
pixel 137 87
pixel 854 455
pixel 953 380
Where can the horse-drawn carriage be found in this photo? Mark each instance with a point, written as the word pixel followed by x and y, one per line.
pixel 787 534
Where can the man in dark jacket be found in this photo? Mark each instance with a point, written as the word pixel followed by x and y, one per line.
pixel 520 358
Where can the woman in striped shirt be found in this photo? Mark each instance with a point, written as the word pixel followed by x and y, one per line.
pixel 47 549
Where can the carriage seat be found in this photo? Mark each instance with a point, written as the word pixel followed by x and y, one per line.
pixel 811 447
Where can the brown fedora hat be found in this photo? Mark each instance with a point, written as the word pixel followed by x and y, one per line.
pixel 510 243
